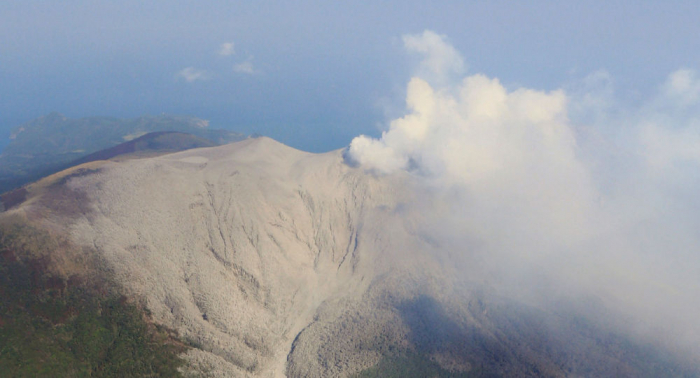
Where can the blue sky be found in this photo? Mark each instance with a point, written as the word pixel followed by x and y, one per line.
pixel 315 74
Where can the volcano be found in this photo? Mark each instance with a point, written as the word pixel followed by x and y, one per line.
pixel 271 262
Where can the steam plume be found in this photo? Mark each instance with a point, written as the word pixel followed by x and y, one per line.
pixel 565 187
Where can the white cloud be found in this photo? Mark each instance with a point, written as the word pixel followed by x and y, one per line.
pixel 245 67
pixel 516 146
pixel 682 88
pixel 191 74
pixel 597 198
pixel 670 132
pixel 665 149
pixel 439 59
pixel 227 49
pixel 375 155
pixel 591 98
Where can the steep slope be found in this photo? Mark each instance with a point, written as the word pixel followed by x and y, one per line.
pixel 274 262
pixel 58 320
pixel 234 246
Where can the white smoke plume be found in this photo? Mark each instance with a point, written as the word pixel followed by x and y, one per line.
pixel 560 193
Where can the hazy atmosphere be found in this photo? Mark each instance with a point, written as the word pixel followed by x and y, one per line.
pixel 525 173
pixel 312 74
pixel 562 193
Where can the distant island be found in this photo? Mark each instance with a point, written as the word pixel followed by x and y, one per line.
pixel 54 142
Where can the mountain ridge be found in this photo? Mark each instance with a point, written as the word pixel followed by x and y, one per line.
pixel 276 262
pixel 50 143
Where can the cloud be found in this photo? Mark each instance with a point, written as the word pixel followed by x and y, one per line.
pixel 670 125
pixel 567 187
pixel 504 144
pixel 227 49
pixel 245 67
pixel 191 74
pixel 439 59
pixel 682 88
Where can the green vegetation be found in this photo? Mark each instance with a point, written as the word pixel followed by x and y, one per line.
pixel 51 326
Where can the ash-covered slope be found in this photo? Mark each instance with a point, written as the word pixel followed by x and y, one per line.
pixel 237 246
pixel 274 262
